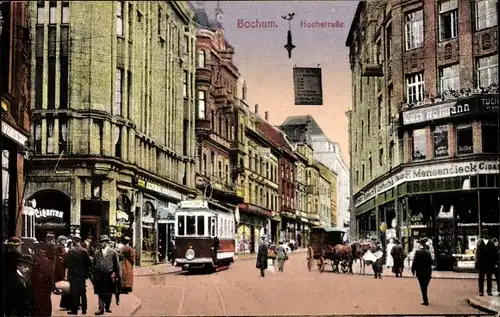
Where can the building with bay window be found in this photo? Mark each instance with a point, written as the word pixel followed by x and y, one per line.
pixel 219 130
pixel 114 118
pixel 423 126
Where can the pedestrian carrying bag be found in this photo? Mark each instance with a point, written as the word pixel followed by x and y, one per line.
pixel 286 257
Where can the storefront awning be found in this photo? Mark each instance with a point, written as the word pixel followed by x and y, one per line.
pixel 166 215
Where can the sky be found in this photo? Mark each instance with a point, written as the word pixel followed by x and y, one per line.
pixel 268 72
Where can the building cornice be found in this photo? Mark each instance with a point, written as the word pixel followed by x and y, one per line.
pixel 183 10
pixel 73 161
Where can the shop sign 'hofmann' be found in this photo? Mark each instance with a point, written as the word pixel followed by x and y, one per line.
pixel 443 170
pixel 486 103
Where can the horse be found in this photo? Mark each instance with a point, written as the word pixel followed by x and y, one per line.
pixel 358 251
pixel 342 253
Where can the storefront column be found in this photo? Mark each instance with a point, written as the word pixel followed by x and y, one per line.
pixel 398 218
pixel 480 226
pixel 138 228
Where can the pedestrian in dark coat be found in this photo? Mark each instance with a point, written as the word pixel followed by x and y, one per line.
pixel 398 255
pixel 262 257
pixel 18 291
pixel 60 270
pixel 41 279
pixel 486 257
pixel 105 271
pixel 77 261
pixel 422 269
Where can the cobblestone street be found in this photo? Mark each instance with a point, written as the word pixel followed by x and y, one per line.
pixel 241 291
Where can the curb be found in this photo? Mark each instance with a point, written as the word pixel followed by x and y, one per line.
pixel 137 308
pixel 474 303
pixel 157 273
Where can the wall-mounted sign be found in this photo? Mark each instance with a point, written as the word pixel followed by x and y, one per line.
pixel 486 102
pixel 308 86
pixel 160 189
pixel 46 213
pixel 255 209
pixel 13 134
pixel 430 171
pixel 49 219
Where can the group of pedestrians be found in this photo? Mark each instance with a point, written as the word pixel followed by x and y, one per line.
pixel 32 278
pixel 273 253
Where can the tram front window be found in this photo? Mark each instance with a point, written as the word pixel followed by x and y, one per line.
pixel 201 225
pixel 190 225
pixel 181 227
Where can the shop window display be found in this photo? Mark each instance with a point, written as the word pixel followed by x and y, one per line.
pixel 464 139
pixel 148 234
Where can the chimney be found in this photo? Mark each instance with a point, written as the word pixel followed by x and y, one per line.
pixel 256 108
pixel 266 115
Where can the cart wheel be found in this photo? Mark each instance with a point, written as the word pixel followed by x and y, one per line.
pixel 310 259
pixel 345 266
pixel 321 264
pixel 335 267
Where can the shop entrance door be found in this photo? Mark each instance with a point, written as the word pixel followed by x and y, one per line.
pixel 444 250
pixel 162 241
pixel 90 225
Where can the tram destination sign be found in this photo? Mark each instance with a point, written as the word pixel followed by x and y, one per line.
pixel 449 109
pixel 430 171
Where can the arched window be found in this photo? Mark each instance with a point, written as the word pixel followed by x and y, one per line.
pixel 201 58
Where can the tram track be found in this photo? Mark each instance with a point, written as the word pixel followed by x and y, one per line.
pixel 183 296
pixel 222 304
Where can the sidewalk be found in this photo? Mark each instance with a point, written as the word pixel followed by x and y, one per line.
pixel 129 304
pixel 407 273
pixel 489 304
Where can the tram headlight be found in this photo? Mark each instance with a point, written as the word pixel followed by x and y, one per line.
pixel 189 254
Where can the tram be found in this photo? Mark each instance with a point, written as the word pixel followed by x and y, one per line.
pixel 204 238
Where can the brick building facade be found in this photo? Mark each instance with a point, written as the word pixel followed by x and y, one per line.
pixel 14 81
pixel 217 121
pixel 423 125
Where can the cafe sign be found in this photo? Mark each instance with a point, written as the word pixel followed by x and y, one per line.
pixel 430 171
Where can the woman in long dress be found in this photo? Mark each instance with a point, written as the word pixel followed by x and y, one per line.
pixel 398 254
pixel 281 256
pixel 127 266
pixel 389 260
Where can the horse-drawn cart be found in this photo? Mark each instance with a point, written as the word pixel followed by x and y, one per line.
pixel 322 248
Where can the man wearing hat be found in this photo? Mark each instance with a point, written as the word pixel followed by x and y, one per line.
pixel 106 273
pixel 486 257
pixel 422 268
pixel 78 263
pixel 262 257
pixel 18 292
